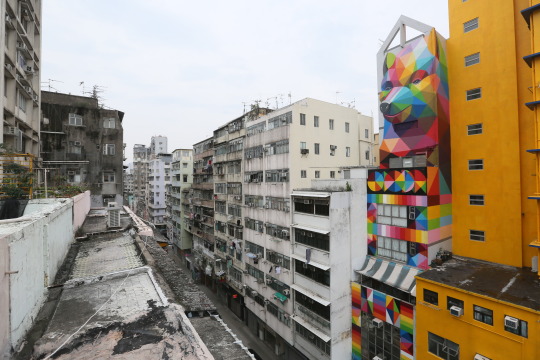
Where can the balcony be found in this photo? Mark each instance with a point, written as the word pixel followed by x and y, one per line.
pixel 313 318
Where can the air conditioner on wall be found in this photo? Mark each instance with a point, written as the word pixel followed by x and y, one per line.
pixel 511 322
pixel 456 311
pixel 377 323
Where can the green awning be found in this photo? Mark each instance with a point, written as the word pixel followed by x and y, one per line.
pixel 280 297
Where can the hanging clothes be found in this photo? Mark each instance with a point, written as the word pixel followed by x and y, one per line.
pixel 271 267
pixel 308 255
pixel 278 269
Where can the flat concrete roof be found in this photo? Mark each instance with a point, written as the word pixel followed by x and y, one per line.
pixel 519 286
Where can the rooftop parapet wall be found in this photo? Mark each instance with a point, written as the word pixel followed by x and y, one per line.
pixel 36 245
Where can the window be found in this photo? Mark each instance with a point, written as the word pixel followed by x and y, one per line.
pixel 75 120
pixel 395 215
pixel 312 338
pixel 108 177
pixel 278 147
pixel 317 174
pixel 316 149
pixel 333 150
pixel 75 147
pixel 185 179
pixel 366 133
pixel 312 272
pixel 21 101
pixel 470 25
pixel 303 173
pixel 392 248
pixel 515 326
pixel 303 145
pixel 315 206
pixel 476 199
pixel 109 123
pixel 348 152
pixel 483 315
pixel 184 165
pixel 476 164
pixel 431 297
pixel 367 155
pixel 331 124
pixel 277 175
pixel 332 174
pixel 474 129
pixel 280 120
pixel 474 94
pixel 347 127
pixel 302 119
pixel 477 235
pixel 450 301
pixel 108 149
pixel 472 59
pixel 316 121
pixel 443 348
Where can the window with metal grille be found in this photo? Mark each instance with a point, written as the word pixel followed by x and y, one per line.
pixel 483 315
pixel 474 94
pixel 470 25
pixel 474 129
pixel 476 199
pixel 476 164
pixel 477 235
pixel 472 59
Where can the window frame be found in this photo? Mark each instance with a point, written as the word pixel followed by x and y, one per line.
pixel 471 25
pixel 476 164
pixel 473 94
pixel 430 297
pixel 485 315
pixel 472 59
pixel 74 119
pixel 475 129
pixel 303 119
pixel 331 124
pixel 315 121
pixel 476 200
pixel 347 127
pixel 477 235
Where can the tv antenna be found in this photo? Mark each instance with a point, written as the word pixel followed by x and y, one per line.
pixel 49 86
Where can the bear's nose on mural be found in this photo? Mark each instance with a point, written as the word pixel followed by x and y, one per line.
pixel 385 107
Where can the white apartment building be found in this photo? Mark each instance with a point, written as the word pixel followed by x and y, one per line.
pixel 158 145
pixel 285 150
pixel 327 246
pixel 20 65
pixel 181 179
pixel 159 176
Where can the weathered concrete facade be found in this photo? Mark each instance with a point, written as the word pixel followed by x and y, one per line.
pixel 83 144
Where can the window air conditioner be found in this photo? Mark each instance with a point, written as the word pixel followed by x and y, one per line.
pixel 286 292
pixel 71 172
pixel 254 293
pixel 377 323
pixel 456 311
pixel 511 322
pixel 77 143
pixel 480 357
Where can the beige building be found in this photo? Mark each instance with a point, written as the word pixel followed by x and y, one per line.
pixel 21 22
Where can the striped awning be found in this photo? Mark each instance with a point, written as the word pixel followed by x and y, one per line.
pixel 391 273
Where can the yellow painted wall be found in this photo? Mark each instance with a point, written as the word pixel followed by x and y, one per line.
pixel 473 336
pixel 508 218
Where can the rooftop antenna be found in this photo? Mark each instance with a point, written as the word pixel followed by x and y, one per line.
pixel 290 97
pixel 243 102
pixel 268 103
pixel 48 82
pixel 82 84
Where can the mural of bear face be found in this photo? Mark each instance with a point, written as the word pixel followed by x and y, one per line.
pixel 414 98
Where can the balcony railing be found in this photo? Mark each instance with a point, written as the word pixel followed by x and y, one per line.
pixel 314 318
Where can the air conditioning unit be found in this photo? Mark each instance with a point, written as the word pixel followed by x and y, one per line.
pixel 269 281
pixel 267 206
pixel 286 292
pixel 511 322
pixel 260 281
pixel 480 357
pixel 307 201
pixel 266 301
pixel 254 293
pixel 9 67
pixel 29 69
pixel 11 130
pixel 28 89
pixel 456 311
pixel 77 143
pixel 304 265
pixel 246 249
pixel 377 323
pixel 304 151
pixel 71 172
pixel 411 213
pixel 36 97
pixel 113 219
pixel 333 147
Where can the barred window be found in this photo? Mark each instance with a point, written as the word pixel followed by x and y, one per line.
pixel 277 231
pixel 255 129
pixel 253 176
pixel 253 224
pixel 280 120
pixel 312 272
pixel 313 239
pixel 254 152
pixel 221 188
pixel 312 338
pixel 254 201
pixel 256 273
pixel 220 207
pixel 278 259
pixel 281 175
pixel 278 147
pixel 276 203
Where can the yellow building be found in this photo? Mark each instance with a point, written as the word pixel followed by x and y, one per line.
pixel 485 304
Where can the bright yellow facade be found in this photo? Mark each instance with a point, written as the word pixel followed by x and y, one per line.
pixel 507 218
pixel 494 118
pixel 473 336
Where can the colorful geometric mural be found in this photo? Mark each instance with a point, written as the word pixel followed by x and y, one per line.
pixel 386 308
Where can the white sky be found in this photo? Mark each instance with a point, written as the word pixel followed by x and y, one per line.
pixel 182 68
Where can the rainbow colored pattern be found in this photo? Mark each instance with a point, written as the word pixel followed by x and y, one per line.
pixel 386 308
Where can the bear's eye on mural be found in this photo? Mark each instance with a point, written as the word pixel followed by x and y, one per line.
pixel 418 76
pixel 387 86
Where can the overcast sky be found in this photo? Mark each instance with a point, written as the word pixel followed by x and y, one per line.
pixel 182 68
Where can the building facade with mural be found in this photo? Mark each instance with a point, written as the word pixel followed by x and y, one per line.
pixel 484 304
pixel 409 200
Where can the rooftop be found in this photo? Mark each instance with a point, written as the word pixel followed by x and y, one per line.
pixel 513 285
